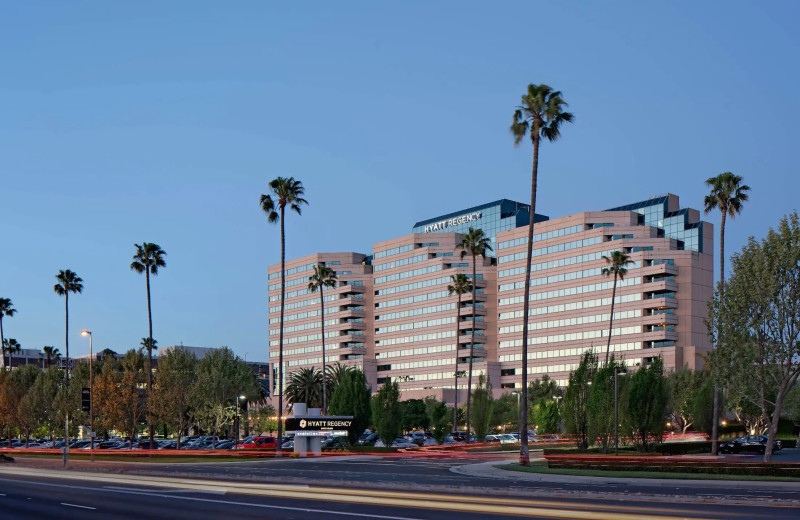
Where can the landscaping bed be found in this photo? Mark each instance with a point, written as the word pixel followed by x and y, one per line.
pixel 672 465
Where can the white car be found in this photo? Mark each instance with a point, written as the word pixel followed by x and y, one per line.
pixel 402 443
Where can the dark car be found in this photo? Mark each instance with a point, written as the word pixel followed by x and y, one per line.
pixel 749 444
pixel 368 439
pixel 333 443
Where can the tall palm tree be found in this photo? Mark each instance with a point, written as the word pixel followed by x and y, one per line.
pixel 460 286
pixel 618 268
pixel 51 353
pixel 6 309
pixel 540 115
pixel 68 282
pixel 147 259
pixel 728 194
pixel 9 347
pixel 305 386
pixel 334 375
pixel 323 277
pixel 475 243
pixel 286 192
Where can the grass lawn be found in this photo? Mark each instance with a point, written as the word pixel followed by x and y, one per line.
pixel 541 467
pixel 142 458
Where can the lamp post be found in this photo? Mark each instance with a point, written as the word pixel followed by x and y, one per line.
pixel 91 396
pixel 617 372
pixel 238 415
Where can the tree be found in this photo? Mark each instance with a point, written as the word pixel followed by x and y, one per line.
pixel 483 403
pixel 576 398
pixel 51 354
pixel 683 385
pixel 727 194
pixel 132 403
pixel 353 397
pixel 265 420
pixel 617 267
pixel 305 386
pixel 44 398
pixel 68 282
pixel 323 277
pixel 147 259
pixel 106 395
pixel 601 404
pixel 221 376
pixel 476 243
pixel 757 318
pixel 438 417
pixel 505 411
pixel 172 389
pixel 24 379
pixel 415 415
pixel 547 417
pixel 286 192
pixel 540 114
pixel 460 286
pixel 386 415
pixel 6 309
pixel 10 346
pixel 646 404
pixel 701 406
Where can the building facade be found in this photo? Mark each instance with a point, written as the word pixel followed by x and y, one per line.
pixel 391 313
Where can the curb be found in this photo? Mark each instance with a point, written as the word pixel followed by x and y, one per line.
pixel 488 470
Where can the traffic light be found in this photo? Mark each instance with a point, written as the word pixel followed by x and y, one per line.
pixel 86 399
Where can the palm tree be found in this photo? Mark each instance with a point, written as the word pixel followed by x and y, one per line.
pixel 68 282
pixel 147 259
pixel 475 243
pixel 286 192
pixel 6 309
pixel 334 374
pixel 9 347
pixel 461 285
pixel 618 267
pixel 323 277
pixel 540 115
pixel 727 194
pixel 305 386
pixel 51 353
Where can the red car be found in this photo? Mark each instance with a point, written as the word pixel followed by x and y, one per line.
pixel 259 442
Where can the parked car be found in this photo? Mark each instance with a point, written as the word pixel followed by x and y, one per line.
pixel 749 444
pixel 225 445
pixel 400 442
pixel 491 438
pixel 368 439
pixel 258 442
pixel 288 445
pixel 333 442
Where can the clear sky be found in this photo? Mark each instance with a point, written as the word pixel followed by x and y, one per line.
pixel 163 122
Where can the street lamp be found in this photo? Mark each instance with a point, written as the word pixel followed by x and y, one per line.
pixel 91 397
pixel 238 415
pixel 617 371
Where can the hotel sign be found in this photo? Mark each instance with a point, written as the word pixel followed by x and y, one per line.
pixel 444 224
pixel 318 426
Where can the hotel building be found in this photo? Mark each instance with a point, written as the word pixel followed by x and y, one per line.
pixel 392 316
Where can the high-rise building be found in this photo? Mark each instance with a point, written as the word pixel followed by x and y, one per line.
pixel 391 313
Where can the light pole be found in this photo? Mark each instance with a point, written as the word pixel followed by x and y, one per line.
pixel 91 396
pixel 238 415
pixel 617 372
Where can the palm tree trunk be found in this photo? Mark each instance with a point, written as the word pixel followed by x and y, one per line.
pixel 471 350
pixel 280 337
pixel 458 333
pixel 715 414
pixel 66 386
pixel 524 453
pixel 2 340
pixel 322 326
pixel 149 355
pixel 611 318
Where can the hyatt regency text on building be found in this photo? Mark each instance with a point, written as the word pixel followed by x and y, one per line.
pixel 392 316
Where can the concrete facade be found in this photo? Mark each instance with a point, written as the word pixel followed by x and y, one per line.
pixel 391 314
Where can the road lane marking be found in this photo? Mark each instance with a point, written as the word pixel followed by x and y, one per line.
pixel 429 503
pixel 76 505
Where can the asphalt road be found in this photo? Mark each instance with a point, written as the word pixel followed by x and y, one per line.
pixel 436 474
pixel 43 494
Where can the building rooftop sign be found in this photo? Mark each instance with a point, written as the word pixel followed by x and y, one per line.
pixel 463 219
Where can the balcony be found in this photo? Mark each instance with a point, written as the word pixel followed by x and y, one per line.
pixel 660 319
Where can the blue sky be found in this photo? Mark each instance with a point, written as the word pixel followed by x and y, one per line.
pixel 164 122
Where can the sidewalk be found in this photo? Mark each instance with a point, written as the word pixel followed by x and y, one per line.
pixel 488 470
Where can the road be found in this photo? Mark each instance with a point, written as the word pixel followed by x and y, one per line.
pixel 436 475
pixel 35 493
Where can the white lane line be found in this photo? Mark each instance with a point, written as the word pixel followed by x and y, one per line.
pixel 76 505
pixel 228 502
